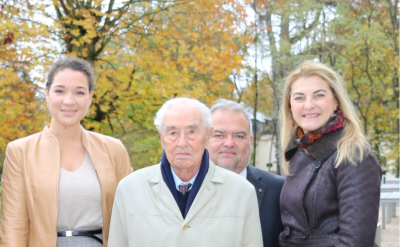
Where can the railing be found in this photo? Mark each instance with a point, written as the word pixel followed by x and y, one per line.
pixel 390 196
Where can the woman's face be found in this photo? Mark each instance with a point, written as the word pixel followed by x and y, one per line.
pixel 312 102
pixel 69 97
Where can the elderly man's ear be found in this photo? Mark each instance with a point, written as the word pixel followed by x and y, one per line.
pixel 159 135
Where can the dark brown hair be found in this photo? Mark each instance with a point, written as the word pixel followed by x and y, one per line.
pixel 74 63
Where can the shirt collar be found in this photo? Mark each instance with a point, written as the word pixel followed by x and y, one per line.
pixel 244 173
pixel 178 181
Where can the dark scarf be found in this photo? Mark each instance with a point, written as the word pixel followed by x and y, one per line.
pixel 169 179
pixel 305 140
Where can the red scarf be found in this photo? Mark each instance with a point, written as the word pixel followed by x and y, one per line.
pixel 305 140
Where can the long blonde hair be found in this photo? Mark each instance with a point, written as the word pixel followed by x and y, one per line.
pixel 353 144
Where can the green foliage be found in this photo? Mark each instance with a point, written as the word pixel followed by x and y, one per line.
pixel 23 112
pixel 365 42
pixel 146 52
pixel 357 39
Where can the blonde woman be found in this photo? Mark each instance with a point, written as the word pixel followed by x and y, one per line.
pixel 331 194
pixel 59 184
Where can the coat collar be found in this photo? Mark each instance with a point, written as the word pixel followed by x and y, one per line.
pixel 85 142
pixel 253 173
pixel 207 190
pixel 321 149
pixel 50 136
pixel 213 175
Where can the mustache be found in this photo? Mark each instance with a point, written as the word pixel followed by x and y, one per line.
pixel 233 150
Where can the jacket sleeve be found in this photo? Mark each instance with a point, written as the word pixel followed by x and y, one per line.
pixel 14 225
pixel 124 167
pixel 118 228
pixel 358 189
pixel 252 236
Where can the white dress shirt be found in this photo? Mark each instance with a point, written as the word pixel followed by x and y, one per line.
pixel 178 181
pixel 244 173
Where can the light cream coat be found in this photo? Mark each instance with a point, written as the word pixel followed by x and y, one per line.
pixel 30 181
pixel 224 212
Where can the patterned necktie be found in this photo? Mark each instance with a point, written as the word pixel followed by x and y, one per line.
pixel 183 188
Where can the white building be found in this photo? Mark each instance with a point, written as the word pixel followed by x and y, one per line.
pixel 266 142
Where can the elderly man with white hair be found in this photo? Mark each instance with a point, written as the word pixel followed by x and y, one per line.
pixel 185 200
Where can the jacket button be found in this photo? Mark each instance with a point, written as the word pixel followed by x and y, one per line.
pixel 304 235
pixel 185 227
pixel 317 164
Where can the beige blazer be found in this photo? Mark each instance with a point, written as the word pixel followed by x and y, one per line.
pixel 223 214
pixel 30 181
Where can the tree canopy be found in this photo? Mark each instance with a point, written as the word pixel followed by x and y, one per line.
pixel 146 52
pixel 358 39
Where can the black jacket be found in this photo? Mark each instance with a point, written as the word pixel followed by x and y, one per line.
pixel 324 206
pixel 268 188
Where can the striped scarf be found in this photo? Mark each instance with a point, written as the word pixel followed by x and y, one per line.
pixel 305 140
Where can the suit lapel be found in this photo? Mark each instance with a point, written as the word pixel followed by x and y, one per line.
pixel 89 149
pixel 254 177
pixel 206 192
pixel 162 191
pixel 203 196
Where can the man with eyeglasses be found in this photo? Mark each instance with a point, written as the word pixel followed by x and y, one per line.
pixel 185 200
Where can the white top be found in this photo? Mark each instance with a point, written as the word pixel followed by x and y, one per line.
pixel 79 201
pixel 178 181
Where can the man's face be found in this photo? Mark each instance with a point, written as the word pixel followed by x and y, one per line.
pixel 184 138
pixel 230 141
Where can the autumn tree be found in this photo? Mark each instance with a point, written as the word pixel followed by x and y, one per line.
pixel 22 47
pixel 282 29
pixel 143 52
pixel 191 56
pixel 146 52
pixel 357 39
pixel 364 37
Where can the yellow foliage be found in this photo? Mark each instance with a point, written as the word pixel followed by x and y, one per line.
pixel 21 99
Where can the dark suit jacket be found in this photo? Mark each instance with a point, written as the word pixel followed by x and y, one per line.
pixel 268 188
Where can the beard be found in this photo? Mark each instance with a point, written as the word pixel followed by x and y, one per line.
pixel 235 163
pixel 228 164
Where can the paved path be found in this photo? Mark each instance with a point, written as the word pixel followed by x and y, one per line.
pixel 390 235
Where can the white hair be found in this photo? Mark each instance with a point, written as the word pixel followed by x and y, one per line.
pixel 229 105
pixel 205 112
